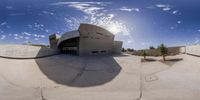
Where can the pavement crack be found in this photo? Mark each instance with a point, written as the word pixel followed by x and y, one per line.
pixel 80 73
pixel 42 94
pixel 141 84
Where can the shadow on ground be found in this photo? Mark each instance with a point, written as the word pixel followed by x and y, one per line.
pixel 174 59
pixel 120 55
pixel 147 60
pixel 171 61
pixel 79 71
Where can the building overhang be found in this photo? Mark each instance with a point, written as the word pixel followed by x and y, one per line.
pixel 68 35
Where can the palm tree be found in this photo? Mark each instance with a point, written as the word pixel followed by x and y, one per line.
pixel 144 54
pixel 163 50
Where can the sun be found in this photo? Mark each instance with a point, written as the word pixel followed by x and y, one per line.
pixel 114 29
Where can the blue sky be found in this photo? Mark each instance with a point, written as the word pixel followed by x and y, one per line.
pixel 138 23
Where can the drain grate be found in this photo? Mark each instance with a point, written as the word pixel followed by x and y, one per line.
pixel 151 78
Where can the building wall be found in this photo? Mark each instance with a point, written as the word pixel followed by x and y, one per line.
pixel 68 35
pixel 117 47
pixel 193 50
pixel 53 40
pixel 183 49
pixel 174 50
pixel 94 40
pixel 152 52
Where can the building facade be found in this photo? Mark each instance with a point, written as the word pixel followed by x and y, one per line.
pixel 53 39
pixel 87 40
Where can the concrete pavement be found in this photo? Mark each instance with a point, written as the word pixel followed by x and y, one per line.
pixel 68 77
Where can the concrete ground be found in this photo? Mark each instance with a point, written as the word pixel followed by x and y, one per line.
pixel 124 77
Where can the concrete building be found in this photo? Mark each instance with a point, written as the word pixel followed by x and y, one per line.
pixel 53 39
pixel 87 40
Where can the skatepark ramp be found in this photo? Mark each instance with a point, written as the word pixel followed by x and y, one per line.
pixel 25 51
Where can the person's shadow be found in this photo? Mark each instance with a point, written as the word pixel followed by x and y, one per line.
pixel 79 71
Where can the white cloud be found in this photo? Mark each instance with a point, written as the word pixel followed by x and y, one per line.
pixel 86 7
pixel 1 31
pixel 35 35
pixel 175 12
pixel 42 36
pixel 17 14
pixel 10 8
pixel 172 28
pixel 179 22
pixel 129 9
pixel 30 26
pixel 3 37
pixel 94 14
pixel 47 12
pixel 36 26
pixel 162 5
pixel 38 36
pixel 108 22
pixel 73 22
pixel 16 38
pixel 36 39
pixel 150 7
pixel 27 38
pixel 130 41
pixel 47 30
pixel 15 35
pixel 39 26
pixel 21 37
pixel 143 43
pixel 3 23
pixel 82 3
pixel 26 33
pixel 196 41
pixel 166 9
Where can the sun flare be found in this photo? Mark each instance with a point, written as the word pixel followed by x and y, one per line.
pixel 114 29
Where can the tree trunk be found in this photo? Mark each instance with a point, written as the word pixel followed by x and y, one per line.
pixel 163 57
pixel 144 57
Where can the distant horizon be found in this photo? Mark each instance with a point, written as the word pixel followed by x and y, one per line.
pixel 138 23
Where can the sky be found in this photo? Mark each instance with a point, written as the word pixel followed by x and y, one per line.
pixel 138 23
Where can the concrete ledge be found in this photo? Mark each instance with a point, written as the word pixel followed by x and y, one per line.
pixel 29 57
pixel 25 52
pixel 193 55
